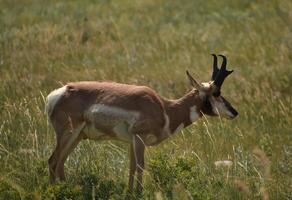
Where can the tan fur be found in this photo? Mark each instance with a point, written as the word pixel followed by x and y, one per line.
pixel 130 113
pixel 107 110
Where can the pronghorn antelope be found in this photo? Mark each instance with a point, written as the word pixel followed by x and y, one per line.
pixel 130 113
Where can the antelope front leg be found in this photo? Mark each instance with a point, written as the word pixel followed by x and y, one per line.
pixel 139 149
pixel 132 169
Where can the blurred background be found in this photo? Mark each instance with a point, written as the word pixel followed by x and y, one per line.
pixel 44 44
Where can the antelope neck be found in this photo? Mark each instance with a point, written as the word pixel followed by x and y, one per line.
pixel 179 111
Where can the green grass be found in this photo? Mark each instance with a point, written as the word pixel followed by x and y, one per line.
pixel 46 43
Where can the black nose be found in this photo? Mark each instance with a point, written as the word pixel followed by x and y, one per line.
pixel 234 112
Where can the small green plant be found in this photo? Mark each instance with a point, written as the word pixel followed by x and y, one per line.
pixel 94 187
pixel 63 191
pixel 7 191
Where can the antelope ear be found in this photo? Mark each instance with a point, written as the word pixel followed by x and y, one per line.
pixel 193 82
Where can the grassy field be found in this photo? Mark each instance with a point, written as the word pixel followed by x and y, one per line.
pixel 44 44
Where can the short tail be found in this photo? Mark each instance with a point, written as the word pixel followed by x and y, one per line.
pixel 53 98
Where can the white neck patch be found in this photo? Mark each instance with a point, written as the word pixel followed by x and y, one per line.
pixel 194 115
pixel 166 125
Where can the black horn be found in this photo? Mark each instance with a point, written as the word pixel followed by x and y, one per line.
pixel 215 68
pixel 222 73
pixel 224 62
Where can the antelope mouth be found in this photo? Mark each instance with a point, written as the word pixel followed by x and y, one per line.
pixel 234 115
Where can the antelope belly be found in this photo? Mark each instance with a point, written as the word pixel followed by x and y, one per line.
pixel 110 122
pixel 91 132
pixel 122 132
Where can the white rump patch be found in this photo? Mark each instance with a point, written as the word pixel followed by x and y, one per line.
pixel 53 98
pixel 194 115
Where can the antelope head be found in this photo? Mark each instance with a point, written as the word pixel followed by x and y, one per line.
pixel 214 104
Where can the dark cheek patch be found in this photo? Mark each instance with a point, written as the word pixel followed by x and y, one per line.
pixel 207 108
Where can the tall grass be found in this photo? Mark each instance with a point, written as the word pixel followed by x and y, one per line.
pixel 48 43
